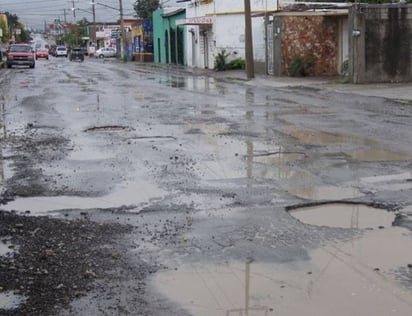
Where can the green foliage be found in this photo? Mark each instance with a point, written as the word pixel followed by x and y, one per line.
pixel 222 63
pixel 74 36
pixel 301 65
pixel 145 8
pixel 221 60
pixel 24 36
pixel 238 63
pixel 6 33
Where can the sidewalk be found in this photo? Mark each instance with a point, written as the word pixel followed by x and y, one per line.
pixel 395 91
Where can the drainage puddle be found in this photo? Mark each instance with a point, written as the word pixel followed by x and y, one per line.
pixel 344 215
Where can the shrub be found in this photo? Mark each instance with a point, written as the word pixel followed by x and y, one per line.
pixel 301 65
pixel 237 63
pixel 221 60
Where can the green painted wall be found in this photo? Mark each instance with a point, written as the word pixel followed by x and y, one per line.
pixel 169 40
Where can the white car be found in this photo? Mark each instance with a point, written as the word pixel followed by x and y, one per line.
pixel 61 51
pixel 105 52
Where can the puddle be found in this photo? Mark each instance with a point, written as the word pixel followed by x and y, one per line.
pixel 344 216
pixel 351 278
pixel 128 194
pixel 325 192
pixel 277 157
pixel 317 137
pixel 379 155
pixel 4 247
pixel 9 300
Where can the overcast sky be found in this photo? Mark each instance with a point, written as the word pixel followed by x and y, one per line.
pixel 34 13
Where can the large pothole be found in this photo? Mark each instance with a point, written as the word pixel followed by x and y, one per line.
pixel 343 215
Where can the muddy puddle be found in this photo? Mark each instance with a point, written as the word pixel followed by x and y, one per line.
pixel 344 215
pixel 379 155
pixel 319 137
pixel 358 277
pixel 10 301
pixel 325 192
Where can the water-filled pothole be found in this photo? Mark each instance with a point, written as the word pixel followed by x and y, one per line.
pixel 344 215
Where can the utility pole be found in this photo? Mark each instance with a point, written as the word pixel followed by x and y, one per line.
pixel 74 12
pixel 94 24
pixel 122 34
pixel 250 71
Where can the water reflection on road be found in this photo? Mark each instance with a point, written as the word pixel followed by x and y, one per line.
pixel 358 277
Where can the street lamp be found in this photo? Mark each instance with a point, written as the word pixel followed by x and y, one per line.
pixel 122 33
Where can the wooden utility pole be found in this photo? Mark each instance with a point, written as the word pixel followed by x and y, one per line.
pixel 250 69
pixel 122 34
pixel 94 24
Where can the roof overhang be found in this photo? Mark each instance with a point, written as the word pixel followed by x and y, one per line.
pixel 198 20
pixel 172 12
pixel 322 12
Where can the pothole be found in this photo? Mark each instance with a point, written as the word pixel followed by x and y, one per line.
pixel 344 215
pixel 108 128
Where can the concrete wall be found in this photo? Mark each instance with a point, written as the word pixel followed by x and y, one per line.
pixel 381 43
pixel 227 31
pixel 315 35
pixel 165 50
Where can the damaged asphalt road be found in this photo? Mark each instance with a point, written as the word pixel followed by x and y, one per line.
pixel 132 189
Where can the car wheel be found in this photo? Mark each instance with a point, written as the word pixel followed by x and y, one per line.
pixel 101 56
pixel 32 66
pixel 9 65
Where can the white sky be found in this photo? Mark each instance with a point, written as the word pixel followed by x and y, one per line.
pixel 34 13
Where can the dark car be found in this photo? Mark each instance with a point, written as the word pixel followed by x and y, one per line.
pixel 76 54
pixel 20 55
pixel 52 50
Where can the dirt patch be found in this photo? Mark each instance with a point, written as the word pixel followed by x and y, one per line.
pixel 58 261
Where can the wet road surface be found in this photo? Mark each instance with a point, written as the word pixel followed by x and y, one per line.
pixel 210 173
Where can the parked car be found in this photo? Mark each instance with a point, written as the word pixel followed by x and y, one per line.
pixel 61 51
pixel 105 52
pixel 76 54
pixel 42 53
pixel 21 55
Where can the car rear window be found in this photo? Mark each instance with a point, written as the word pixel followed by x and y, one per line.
pixel 20 49
pixel 61 48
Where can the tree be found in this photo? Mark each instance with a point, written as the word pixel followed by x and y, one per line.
pixel 24 36
pixel 74 37
pixel 6 33
pixel 145 8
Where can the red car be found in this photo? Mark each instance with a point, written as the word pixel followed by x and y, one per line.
pixel 42 53
pixel 20 55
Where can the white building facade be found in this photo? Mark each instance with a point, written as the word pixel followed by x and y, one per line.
pixel 216 25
